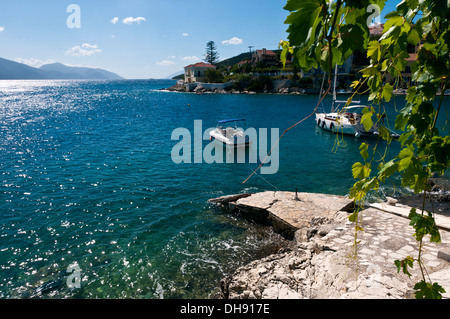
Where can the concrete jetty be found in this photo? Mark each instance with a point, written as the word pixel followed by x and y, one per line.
pixel 286 212
pixel 326 261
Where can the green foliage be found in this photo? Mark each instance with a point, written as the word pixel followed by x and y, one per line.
pixel 214 75
pixel 404 264
pixel 320 35
pixel 261 83
pixel 211 56
pixel 234 60
pixel 242 82
pixel 323 35
pixel 424 225
pixel 425 290
pixel 366 119
pixel 179 77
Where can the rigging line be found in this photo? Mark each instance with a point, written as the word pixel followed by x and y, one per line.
pixel 265 180
pixel 315 110
pixel 321 89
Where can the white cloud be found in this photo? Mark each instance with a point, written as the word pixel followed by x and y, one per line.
pixel 171 57
pixel 190 58
pixel 185 34
pixel 2 29
pixel 131 20
pixel 233 41
pixel 114 20
pixel 36 63
pixel 165 63
pixel 89 46
pixel 86 49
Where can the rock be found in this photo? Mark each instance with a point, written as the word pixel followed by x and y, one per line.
pixel 391 201
pixel 225 200
pixel 325 267
pixel 323 264
pixel 286 215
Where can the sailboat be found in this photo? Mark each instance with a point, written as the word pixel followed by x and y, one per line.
pixel 345 118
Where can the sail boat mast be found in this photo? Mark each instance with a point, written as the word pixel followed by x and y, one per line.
pixel 334 88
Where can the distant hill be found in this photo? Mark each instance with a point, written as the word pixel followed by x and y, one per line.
pixel 173 75
pixel 80 72
pixel 10 70
pixel 178 77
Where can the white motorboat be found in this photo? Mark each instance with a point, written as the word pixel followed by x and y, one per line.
pixel 230 135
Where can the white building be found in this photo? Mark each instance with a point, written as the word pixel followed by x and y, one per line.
pixel 196 72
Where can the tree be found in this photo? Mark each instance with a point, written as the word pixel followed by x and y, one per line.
pixel 325 33
pixel 211 56
pixel 214 75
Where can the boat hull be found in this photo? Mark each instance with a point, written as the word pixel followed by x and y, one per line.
pixel 230 141
pixel 334 126
pixel 336 123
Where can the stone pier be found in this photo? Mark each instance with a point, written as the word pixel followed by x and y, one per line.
pixel 329 260
pixel 285 212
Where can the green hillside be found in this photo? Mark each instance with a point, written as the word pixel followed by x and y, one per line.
pixel 238 58
pixel 234 60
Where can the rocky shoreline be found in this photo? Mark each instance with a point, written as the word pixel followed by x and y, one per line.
pixel 279 87
pixel 323 261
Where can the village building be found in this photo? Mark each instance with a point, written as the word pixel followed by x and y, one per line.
pixel 265 56
pixel 376 29
pixel 196 72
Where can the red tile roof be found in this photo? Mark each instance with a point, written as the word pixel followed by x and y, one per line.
pixel 268 52
pixel 200 65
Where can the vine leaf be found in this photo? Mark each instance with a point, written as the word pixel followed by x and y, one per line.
pixel 387 92
pixel 404 264
pixel 366 119
pixel 303 22
pixel 424 225
pixel 425 290
pixel 387 169
pixel 360 171
pixel 364 150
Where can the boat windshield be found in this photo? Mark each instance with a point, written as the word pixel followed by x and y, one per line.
pixel 225 122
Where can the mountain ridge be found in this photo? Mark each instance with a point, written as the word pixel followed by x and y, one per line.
pixel 11 70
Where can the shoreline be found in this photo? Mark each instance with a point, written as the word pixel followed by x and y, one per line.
pixel 283 90
pixel 321 262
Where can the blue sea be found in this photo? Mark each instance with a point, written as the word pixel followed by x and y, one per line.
pixel 87 179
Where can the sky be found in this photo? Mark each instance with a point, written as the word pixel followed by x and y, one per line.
pixel 138 39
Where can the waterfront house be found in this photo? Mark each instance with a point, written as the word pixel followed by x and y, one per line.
pixel 196 72
pixel 265 56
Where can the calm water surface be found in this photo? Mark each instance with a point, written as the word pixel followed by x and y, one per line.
pixel 86 178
